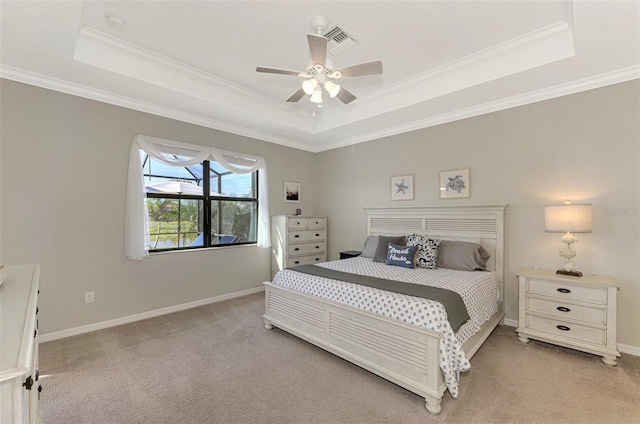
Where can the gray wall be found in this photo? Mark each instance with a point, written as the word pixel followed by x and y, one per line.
pixel 584 147
pixel 63 164
pixel 63 180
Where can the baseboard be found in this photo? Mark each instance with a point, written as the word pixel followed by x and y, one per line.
pixel 623 348
pixel 144 315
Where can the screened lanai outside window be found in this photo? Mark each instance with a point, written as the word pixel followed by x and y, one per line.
pixel 187 203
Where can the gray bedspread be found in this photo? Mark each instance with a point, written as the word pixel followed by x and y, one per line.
pixel 456 310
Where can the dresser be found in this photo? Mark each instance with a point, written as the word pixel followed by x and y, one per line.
pixel 297 240
pixel 19 378
pixel 574 312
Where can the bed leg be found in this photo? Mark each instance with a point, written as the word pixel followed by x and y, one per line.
pixel 433 404
pixel 267 325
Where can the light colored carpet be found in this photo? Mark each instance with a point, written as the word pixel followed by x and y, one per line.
pixel 217 364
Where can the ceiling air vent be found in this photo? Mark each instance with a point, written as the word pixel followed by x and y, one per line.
pixel 339 41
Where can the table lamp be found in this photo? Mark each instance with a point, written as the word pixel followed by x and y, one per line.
pixel 570 219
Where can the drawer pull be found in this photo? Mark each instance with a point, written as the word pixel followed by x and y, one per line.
pixel 28 383
pixel 297 236
pixel 296 249
pixel 564 290
pixel 296 262
pixel 563 327
pixel 317 235
pixel 317 259
pixel 563 309
pixel 317 247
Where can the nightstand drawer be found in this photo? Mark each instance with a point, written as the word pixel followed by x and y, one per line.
pixel 568 330
pixel 592 314
pixel 567 291
pixel 305 249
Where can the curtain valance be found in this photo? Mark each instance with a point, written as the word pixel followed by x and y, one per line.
pixel 165 151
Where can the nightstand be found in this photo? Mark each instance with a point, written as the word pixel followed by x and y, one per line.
pixel 349 254
pixel 574 312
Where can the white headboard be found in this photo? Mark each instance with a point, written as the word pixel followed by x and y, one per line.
pixel 480 224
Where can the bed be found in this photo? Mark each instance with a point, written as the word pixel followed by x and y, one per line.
pixel 425 360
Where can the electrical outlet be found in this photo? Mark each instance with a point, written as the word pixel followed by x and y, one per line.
pixel 89 297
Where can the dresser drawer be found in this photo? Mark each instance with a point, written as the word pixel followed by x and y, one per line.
pixel 303 260
pixel 306 249
pixel 314 223
pixel 568 330
pixel 302 236
pixel 591 314
pixel 567 291
pixel 294 223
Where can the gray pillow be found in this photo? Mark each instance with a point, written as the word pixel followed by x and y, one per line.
pixel 462 255
pixel 383 243
pixel 370 247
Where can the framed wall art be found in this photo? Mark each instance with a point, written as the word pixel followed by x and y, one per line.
pixel 291 192
pixel 402 187
pixel 454 184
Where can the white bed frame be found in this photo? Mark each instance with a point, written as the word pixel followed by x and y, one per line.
pixel 404 354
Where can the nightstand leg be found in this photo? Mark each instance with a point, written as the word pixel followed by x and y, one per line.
pixel 609 360
pixel 267 325
pixel 523 338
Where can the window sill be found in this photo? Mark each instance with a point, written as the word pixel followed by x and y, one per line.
pixel 204 249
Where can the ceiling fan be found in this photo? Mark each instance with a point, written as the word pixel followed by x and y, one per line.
pixel 319 74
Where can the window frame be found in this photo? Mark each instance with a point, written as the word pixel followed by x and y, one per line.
pixel 207 202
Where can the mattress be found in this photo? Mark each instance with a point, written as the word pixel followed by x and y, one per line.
pixel 478 290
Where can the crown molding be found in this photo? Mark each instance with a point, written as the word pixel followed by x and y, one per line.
pixel 542 46
pixel 585 84
pixel 590 83
pixel 74 89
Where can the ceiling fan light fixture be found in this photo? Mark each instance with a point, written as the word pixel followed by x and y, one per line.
pixel 309 86
pixel 332 88
pixel 316 97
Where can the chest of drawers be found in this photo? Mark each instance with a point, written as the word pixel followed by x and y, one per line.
pixel 575 312
pixel 297 240
pixel 19 377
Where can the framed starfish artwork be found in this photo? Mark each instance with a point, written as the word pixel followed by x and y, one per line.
pixel 454 184
pixel 402 187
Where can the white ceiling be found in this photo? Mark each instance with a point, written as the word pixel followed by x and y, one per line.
pixel 443 60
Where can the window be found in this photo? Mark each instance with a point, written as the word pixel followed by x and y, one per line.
pixel 184 205
pixel 183 196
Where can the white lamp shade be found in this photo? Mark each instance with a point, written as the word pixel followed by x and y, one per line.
pixel 332 88
pixel 562 218
pixel 308 86
pixel 316 97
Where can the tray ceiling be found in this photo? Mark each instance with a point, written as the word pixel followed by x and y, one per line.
pixel 443 61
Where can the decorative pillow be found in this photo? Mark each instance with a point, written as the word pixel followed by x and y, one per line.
pixel 370 247
pixel 462 255
pixel 383 242
pixel 401 255
pixel 427 250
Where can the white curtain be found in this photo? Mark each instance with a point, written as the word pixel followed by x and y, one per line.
pixel 137 218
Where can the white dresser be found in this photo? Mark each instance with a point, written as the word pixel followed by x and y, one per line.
pixel 297 240
pixel 19 379
pixel 575 312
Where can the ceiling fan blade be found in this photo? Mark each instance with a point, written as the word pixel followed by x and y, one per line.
pixel 318 49
pixel 369 68
pixel 345 96
pixel 296 96
pixel 282 72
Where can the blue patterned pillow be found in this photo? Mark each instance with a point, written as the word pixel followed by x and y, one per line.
pixel 401 255
pixel 427 250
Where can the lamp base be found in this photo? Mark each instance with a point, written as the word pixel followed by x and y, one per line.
pixel 572 273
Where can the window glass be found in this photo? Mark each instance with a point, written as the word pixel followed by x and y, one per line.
pixel 181 212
